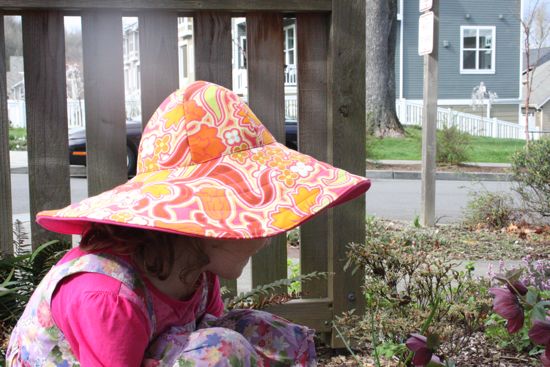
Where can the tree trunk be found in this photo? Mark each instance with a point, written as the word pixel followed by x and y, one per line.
pixel 381 26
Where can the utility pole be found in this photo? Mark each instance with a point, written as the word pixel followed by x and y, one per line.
pixel 428 39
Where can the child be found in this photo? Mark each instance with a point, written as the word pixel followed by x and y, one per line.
pixel 142 288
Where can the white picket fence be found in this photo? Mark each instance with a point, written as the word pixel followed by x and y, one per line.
pixel 76 112
pixel 410 113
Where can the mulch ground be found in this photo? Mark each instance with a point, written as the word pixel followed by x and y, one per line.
pixel 477 353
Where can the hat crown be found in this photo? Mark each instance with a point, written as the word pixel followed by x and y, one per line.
pixel 199 123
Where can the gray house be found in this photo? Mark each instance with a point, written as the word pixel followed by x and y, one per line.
pixel 479 41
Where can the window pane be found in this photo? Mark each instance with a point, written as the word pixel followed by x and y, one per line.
pixel 291 57
pixel 485 38
pixel 290 38
pixel 485 59
pixel 469 60
pixel 469 38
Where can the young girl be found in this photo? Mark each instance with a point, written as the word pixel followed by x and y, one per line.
pixel 142 288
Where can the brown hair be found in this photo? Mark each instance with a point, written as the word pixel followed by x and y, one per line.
pixel 152 250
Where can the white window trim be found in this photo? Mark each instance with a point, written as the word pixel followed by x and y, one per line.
pixel 493 49
pixel 286 48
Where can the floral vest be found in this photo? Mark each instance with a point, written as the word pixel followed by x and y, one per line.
pixel 37 341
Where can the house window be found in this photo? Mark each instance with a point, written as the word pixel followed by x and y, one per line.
pixel 477 50
pixel 289 45
pixel 242 53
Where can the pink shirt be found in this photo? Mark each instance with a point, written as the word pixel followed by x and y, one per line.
pixel 105 329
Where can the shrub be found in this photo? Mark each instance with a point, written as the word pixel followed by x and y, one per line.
pixel 453 145
pixel 489 210
pixel 531 171
pixel 407 282
pixel 19 277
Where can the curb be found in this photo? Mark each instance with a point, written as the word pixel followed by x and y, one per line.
pixel 442 176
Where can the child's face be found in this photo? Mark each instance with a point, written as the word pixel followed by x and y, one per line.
pixel 228 257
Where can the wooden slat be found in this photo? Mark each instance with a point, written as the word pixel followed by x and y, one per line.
pixel 315 313
pixel 46 104
pixel 182 5
pixel 158 50
pixel 212 36
pixel 312 42
pixel 266 98
pixel 213 48
pixel 347 138
pixel 6 232
pixel 104 96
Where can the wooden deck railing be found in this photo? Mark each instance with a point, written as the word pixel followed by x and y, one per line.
pixel 331 110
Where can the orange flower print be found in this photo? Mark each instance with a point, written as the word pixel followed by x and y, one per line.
pixel 150 164
pixel 44 315
pixel 215 203
pixel 285 218
pixel 259 157
pixel 193 112
pixel 232 137
pixel 288 177
pixel 278 162
pixel 162 145
pixel 240 156
pixel 205 144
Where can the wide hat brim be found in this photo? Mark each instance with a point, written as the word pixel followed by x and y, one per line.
pixel 254 193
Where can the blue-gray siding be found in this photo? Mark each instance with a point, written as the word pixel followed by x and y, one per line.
pixel 452 84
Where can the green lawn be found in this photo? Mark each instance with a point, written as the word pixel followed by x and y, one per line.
pixel 17 138
pixel 409 148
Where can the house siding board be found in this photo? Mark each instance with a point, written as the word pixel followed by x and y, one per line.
pixel 452 84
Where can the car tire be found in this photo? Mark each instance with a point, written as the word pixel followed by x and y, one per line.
pixel 131 160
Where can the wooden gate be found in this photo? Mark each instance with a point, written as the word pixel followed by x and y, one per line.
pixel 331 110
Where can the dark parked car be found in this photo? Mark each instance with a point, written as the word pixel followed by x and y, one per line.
pixel 77 142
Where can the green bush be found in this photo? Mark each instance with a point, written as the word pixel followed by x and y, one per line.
pixel 489 210
pixel 453 145
pixel 406 279
pixel 531 171
pixel 19 276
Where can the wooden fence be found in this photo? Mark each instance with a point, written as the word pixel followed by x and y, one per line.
pixel 331 110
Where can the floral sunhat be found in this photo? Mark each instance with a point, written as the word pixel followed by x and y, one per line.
pixel 208 167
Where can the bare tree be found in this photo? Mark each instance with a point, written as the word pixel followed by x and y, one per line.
pixel 536 29
pixel 381 19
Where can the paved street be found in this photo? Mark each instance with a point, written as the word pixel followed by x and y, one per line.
pixel 400 199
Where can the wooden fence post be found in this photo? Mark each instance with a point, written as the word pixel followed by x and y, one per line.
pixel 312 42
pixel 347 128
pixel 6 225
pixel 104 96
pixel 158 55
pixel 47 132
pixel 266 98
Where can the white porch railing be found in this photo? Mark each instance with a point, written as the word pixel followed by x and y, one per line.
pixel 410 113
